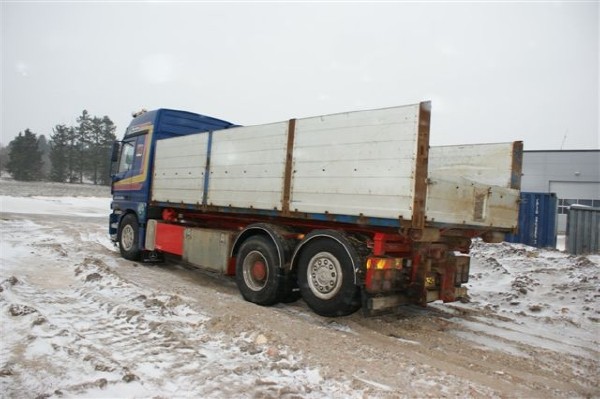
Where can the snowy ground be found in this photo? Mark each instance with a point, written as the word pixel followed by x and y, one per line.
pixel 78 321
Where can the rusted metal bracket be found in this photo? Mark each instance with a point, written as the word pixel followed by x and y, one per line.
pixel 517 165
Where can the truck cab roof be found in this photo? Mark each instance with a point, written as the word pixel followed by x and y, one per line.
pixel 171 123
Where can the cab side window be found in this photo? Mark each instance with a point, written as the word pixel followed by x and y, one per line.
pixel 132 154
pixel 138 157
pixel 126 159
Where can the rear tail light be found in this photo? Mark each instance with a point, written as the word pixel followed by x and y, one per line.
pixel 384 274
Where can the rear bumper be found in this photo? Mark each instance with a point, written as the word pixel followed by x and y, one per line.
pixel 381 304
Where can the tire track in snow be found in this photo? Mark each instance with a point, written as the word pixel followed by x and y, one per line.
pixel 100 334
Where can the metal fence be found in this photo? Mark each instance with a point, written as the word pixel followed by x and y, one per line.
pixel 583 230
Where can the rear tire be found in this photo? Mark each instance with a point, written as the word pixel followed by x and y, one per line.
pixel 257 272
pixel 326 279
pixel 129 238
pixel 291 291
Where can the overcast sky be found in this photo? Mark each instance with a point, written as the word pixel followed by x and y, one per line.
pixel 494 71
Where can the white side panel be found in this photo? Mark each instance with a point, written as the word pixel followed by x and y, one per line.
pixel 356 163
pixel 247 166
pixel 482 163
pixel 179 167
pixel 470 185
pixel 466 203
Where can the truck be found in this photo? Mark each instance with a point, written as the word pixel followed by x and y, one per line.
pixel 346 211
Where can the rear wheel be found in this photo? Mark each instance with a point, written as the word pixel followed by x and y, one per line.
pixel 257 272
pixel 326 279
pixel 129 238
pixel 290 292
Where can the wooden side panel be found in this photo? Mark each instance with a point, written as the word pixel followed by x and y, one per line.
pixel 179 168
pixel 247 167
pixel 357 163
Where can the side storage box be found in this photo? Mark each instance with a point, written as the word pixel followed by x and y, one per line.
pixel 537 220
pixel 208 248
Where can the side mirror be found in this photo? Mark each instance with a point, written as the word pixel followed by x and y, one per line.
pixel 114 157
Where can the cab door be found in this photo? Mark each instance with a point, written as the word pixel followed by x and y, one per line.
pixel 131 172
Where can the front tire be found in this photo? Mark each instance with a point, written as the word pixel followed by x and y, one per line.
pixel 257 272
pixel 326 279
pixel 129 238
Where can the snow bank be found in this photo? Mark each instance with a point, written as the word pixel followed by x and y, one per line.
pixel 67 206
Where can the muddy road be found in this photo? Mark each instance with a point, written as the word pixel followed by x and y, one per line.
pixel 77 320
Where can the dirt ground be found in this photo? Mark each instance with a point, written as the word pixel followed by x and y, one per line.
pixel 78 320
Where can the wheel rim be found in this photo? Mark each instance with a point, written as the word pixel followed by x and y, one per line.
pixel 255 270
pixel 127 237
pixel 324 275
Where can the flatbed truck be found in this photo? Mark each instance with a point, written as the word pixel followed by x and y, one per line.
pixel 347 211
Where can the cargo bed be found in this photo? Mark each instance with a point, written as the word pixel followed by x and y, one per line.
pixel 369 167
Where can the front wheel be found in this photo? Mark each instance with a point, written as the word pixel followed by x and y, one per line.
pixel 129 238
pixel 326 279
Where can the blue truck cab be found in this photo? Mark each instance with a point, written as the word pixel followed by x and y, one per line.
pixel 133 164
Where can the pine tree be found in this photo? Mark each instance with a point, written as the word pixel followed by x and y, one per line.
pixel 25 157
pixel 100 142
pixel 59 153
pixel 83 133
pixel 95 147
pixel 71 154
pixel 44 147
pixel 108 137
pixel 72 151
pixel 3 158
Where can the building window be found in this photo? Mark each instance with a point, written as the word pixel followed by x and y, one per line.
pixel 564 204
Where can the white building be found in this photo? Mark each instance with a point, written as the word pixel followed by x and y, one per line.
pixel 574 175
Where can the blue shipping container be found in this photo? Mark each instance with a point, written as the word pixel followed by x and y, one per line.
pixel 537 220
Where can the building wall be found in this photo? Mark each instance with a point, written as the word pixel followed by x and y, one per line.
pixel 574 175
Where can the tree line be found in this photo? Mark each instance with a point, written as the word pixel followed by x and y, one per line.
pixel 73 154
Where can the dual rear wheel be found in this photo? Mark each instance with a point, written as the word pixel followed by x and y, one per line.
pixel 258 275
pixel 325 276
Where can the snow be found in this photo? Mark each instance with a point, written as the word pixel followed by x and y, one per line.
pixel 540 285
pixel 74 325
pixel 93 334
pixel 67 206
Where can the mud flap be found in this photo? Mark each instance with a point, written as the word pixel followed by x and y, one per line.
pixel 113 227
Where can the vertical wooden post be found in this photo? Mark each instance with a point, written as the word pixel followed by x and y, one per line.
pixel 421 169
pixel 287 179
